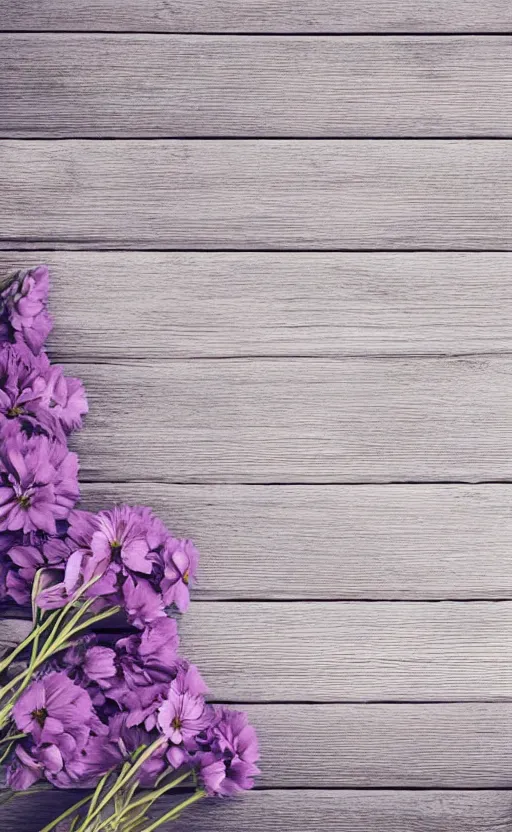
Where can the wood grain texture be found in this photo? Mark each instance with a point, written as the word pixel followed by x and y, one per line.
pixel 347 652
pixel 145 85
pixel 332 542
pixel 258 15
pixel 298 420
pixel 256 194
pixel 334 652
pixel 217 304
pixel 296 811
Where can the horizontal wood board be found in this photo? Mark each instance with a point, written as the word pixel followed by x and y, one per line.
pixel 54 86
pixel 346 652
pixel 232 194
pixel 217 304
pixel 258 15
pixel 335 542
pixel 299 811
pixel 298 420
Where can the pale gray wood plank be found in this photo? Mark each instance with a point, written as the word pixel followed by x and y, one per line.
pixel 348 652
pixel 331 542
pixel 456 745
pixel 256 194
pixel 360 651
pixel 296 811
pixel 144 85
pixel 217 304
pixel 298 420
pixel 258 15
pixel 352 812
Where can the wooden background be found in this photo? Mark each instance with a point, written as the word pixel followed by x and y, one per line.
pixel 279 234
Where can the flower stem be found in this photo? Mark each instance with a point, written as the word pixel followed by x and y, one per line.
pixel 4 664
pixel 176 811
pixel 153 795
pixel 122 780
pixel 66 814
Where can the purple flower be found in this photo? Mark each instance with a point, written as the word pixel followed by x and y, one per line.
pixel 25 318
pixel 37 396
pixel 146 663
pixel 64 397
pixel 230 763
pixel 122 535
pixel 80 765
pixel 179 560
pixel 129 739
pixel 38 482
pixel 53 707
pixel 23 771
pixel 90 663
pixel 183 714
pixel 134 562
pixel 142 603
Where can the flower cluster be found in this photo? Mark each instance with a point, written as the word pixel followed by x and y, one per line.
pixel 89 710
pixel 96 704
pixel 39 408
pixel 130 559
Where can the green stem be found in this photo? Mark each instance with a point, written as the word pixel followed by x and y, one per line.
pixel 153 795
pixel 24 644
pixel 49 649
pixel 121 781
pixel 176 811
pixel 13 737
pixel 66 814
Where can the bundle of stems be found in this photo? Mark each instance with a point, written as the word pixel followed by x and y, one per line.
pixel 52 632
pixel 119 805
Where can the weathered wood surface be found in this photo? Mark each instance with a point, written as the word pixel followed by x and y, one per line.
pixel 347 652
pixel 146 85
pixel 423 746
pixel 326 383
pixel 296 811
pixel 298 420
pixel 258 15
pixel 256 194
pixel 334 652
pixel 336 542
pixel 217 304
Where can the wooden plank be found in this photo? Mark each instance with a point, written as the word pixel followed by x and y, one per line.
pixel 384 746
pixel 258 15
pixel 348 652
pixel 298 420
pixel 361 651
pixel 296 811
pixel 217 304
pixel 256 194
pixel 399 542
pixel 54 86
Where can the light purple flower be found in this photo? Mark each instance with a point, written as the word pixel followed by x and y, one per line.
pixel 142 603
pixel 122 535
pixel 53 707
pixel 23 771
pixel 38 482
pixel 25 316
pixel 179 560
pixel 65 398
pixel 183 714
pixel 230 764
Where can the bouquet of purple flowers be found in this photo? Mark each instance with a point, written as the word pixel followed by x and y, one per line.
pixel 124 716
